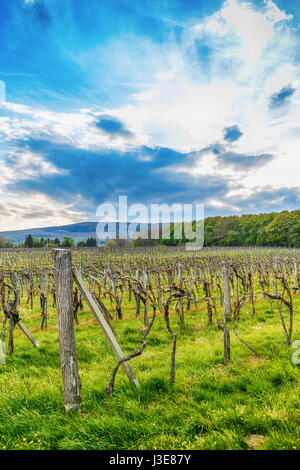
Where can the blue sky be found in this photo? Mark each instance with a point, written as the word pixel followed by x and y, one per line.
pixel 160 100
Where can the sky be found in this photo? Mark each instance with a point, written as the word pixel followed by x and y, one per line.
pixel 163 101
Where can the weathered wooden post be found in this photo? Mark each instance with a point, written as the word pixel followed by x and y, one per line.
pixel 227 311
pixel 10 348
pixel 145 280
pixel 67 346
pixel 296 281
pixel 226 289
pixel 180 282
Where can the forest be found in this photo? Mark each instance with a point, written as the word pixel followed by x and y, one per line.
pixel 274 229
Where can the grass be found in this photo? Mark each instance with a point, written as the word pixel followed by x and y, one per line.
pixel 209 407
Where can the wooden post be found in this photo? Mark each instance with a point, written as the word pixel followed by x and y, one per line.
pixel 137 297
pixel 10 348
pixel 146 304
pixel 226 289
pixel 227 311
pixel 295 286
pixel 104 326
pixel 66 330
pixel 181 314
pixel 2 352
pixel 226 346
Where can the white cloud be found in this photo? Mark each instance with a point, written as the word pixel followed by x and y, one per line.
pixel 77 129
pixel 274 14
pixel 23 164
pixel 252 55
pixel 285 75
pixel 187 102
pixel 34 210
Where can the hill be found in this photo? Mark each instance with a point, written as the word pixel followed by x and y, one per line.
pixel 78 232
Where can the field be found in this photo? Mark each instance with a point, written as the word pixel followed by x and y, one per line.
pixel 252 402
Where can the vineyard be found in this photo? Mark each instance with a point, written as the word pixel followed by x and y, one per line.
pixel 195 350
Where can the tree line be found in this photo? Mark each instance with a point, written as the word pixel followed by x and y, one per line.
pixel 67 242
pixel 273 229
pixel 5 243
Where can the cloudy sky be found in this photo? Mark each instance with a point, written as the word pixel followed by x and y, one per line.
pixel 160 100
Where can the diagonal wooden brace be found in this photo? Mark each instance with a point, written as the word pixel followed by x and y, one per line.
pixel 104 326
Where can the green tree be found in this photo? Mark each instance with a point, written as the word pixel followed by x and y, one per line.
pixel 111 244
pixel 68 242
pixel 28 241
pixel 208 232
pixel 91 241
pixel 37 243
pixel 295 234
pixel 278 232
pixel 232 238
pixel 223 227
pixel 4 243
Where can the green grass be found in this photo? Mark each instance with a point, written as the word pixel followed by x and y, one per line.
pixel 209 407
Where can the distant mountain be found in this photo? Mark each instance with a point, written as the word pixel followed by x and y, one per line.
pixel 78 232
